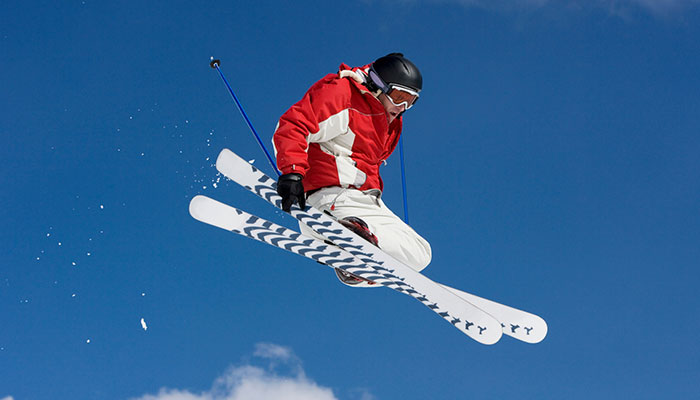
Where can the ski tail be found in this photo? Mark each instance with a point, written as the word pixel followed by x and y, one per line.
pixel 516 323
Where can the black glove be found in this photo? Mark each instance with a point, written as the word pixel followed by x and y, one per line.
pixel 291 189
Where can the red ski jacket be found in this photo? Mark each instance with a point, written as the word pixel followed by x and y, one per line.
pixel 337 134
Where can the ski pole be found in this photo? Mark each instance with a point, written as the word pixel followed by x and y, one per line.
pixel 215 64
pixel 403 182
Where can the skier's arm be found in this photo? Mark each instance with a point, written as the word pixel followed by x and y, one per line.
pixel 320 116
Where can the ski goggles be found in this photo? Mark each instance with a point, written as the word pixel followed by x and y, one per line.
pixel 398 95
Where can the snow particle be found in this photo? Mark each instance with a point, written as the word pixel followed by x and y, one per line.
pixel 143 324
pixel 73 263
pixel 102 207
pixel 87 341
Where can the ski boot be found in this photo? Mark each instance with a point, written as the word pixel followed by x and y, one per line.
pixel 360 228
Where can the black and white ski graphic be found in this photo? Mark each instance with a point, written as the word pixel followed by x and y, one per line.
pixel 516 323
pixel 463 315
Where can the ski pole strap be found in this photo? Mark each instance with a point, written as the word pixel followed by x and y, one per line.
pixel 215 64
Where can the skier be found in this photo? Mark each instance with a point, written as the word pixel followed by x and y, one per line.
pixel 330 144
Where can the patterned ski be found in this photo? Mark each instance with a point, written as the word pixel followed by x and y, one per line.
pixel 463 315
pixel 516 323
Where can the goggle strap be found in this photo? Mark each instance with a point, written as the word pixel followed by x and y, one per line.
pixel 386 89
pixel 377 80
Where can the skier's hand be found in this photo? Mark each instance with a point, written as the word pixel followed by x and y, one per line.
pixel 291 189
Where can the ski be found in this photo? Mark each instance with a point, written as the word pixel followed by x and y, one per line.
pixel 516 323
pixel 463 315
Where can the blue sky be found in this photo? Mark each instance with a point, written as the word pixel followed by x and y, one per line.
pixel 552 163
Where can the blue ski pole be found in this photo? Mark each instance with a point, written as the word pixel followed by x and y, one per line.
pixel 215 64
pixel 403 182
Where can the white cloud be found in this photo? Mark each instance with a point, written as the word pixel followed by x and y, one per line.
pixel 656 7
pixel 665 6
pixel 502 3
pixel 273 351
pixel 248 382
pixel 7 398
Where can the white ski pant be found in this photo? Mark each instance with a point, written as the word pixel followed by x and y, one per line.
pixel 395 237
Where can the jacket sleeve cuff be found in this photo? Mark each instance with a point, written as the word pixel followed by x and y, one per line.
pixel 294 169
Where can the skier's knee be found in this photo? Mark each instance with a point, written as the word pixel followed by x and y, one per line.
pixel 419 255
pixel 423 260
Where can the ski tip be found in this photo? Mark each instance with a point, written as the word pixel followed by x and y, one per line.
pixel 214 63
pixel 541 332
pixel 223 153
pixel 485 331
pixel 532 332
pixel 201 205
pixel 492 338
pixel 195 204
pixel 224 160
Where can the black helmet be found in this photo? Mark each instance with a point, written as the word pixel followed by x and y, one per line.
pixel 395 69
